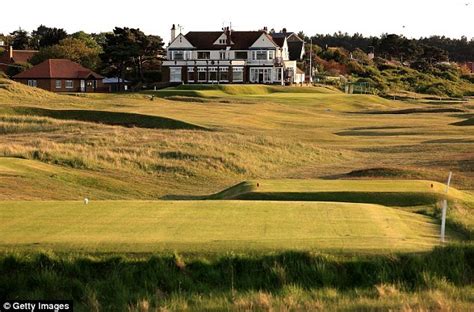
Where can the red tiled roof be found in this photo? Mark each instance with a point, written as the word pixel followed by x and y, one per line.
pixel 58 68
pixel 23 56
pixel 242 40
pixel 19 56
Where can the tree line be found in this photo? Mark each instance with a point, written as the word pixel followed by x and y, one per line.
pixel 400 47
pixel 123 52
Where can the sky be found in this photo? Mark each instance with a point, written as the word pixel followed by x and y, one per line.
pixel 412 18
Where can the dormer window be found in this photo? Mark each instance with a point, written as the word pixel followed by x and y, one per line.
pixel 222 41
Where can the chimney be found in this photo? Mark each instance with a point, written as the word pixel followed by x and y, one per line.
pixel 11 52
pixel 228 34
pixel 284 30
pixel 173 32
pixel 265 29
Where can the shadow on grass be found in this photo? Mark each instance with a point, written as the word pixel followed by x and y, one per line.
pixel 111 118
pixel 117 281
pixel 412 111
pixel 404 199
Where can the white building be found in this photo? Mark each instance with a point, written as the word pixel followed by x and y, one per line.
pixel 232 57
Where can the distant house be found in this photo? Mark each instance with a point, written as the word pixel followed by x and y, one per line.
pixel 10 57
pixel 116 84
pixel 61 75
pixel 230 56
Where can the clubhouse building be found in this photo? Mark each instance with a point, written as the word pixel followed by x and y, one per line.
pixel 229 56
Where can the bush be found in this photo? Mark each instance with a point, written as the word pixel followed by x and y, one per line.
pixel 12 71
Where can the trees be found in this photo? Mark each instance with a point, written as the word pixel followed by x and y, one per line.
pixel 20 39
pixel 73 49
pixel 129 47
pixel 45 36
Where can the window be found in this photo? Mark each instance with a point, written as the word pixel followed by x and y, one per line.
pixel 175 74
pixel 224 74
pixel 222 41
pixel 253 75
pixel 278 71
pixel 178 55
pixel 238 74
pixel 241 55
pixel 32 83
pixel 191 76
pixel 69 84
pixel 261 75
pixel 222 55
pixel 202 74
pixel 267 75
pixel 271 55
pixel 59 84
pixel 204 55
pixel 213 74
pixel 261 55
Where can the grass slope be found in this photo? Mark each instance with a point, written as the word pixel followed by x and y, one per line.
pixel 385 192
pixel 108 118
pixel 213 226
pixel 24 179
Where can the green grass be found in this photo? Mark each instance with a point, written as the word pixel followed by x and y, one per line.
pixel 213 226
pixel 385 192
pixel 232 254
pixel 437 280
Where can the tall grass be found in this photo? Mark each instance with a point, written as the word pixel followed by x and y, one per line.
pixel 176 282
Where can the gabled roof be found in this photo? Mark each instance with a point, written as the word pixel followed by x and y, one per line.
pixel 279 40
pixel 58 69
pixel 295 49
pixel 242 40
pixel 287 35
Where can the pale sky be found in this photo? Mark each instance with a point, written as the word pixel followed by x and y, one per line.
pixel 412 18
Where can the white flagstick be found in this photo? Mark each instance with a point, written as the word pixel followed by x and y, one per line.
pixel 445 208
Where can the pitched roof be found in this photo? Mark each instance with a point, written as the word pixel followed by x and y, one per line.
pixel 291 36
pixel 279 40
pixel 19 56
pixel 58 69
pixel 242 40
pixel 295 49
pixel 23 56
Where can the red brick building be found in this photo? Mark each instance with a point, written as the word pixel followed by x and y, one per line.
pixel 11 57
pixel 61 75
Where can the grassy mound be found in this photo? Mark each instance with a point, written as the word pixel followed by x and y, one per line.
pixel 11 89
pixel 209 91
pixel 384 173
pixel 108 118
pixel 64 178
pixel 384 192
pixel 467 122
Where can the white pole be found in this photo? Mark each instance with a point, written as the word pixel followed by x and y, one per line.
pixel 311 61
pixel 445 208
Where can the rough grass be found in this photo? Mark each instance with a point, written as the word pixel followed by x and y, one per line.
pixel 438 280
pixel 267 134
pixel 108 118
pixel 213 226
